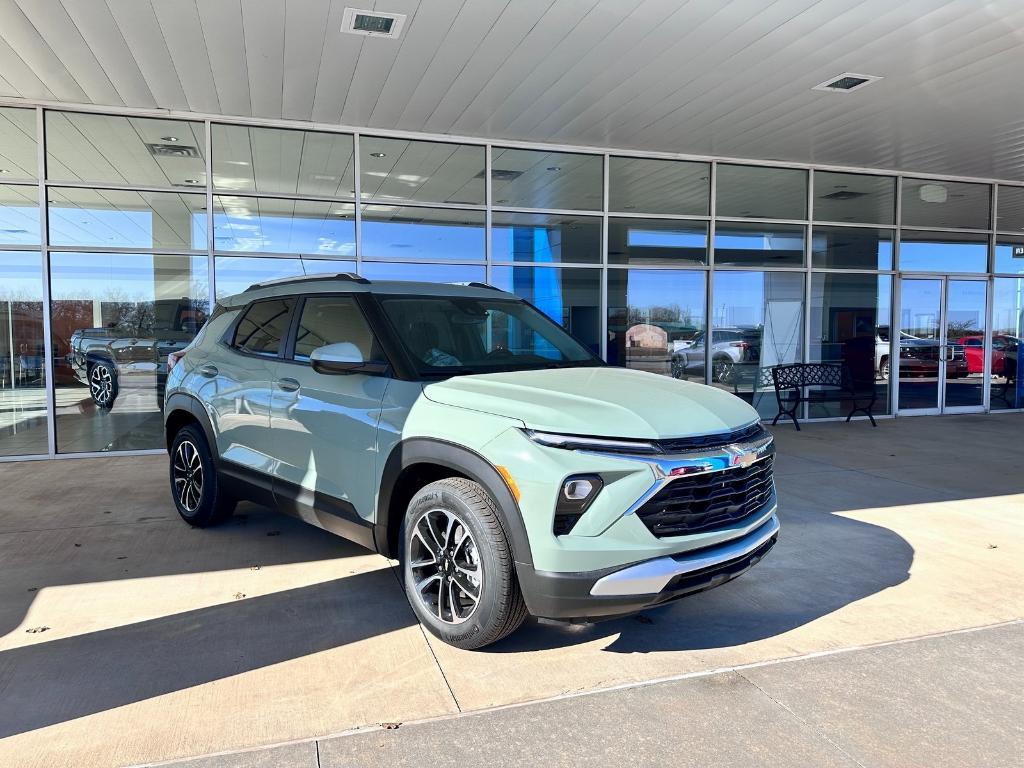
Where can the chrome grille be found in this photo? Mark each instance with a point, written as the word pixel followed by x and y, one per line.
pixel 709 500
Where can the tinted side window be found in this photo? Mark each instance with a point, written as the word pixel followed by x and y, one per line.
pixel 262 328
pixel 334 320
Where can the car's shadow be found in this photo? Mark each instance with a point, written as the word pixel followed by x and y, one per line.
pixel 822 563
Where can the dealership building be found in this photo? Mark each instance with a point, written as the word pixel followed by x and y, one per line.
pixel 696 190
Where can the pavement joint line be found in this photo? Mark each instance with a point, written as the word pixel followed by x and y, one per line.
pixel 91 525
pixel 803 721
pixel 426 640
pixel 738 669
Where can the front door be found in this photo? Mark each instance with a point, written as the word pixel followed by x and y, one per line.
pixel 941 366
pixel 324 425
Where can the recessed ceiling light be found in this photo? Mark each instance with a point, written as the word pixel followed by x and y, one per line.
pixel 554 168
pixel 839 186
pixel 171 139
pixel 628 207
pixel 378 154
pixel 848 82
pixel 192 181
pixel 5 170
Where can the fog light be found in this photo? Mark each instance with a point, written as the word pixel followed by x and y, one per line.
pixel 577 490
pixel 577 494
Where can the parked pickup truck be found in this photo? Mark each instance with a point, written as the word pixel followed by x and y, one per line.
pixel 133 352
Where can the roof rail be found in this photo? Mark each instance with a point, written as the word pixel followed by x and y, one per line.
pixel 478 284
pixel 303 278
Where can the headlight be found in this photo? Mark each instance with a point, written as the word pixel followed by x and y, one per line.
pixel 578 442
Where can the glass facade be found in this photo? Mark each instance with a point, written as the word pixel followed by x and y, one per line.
pixel 118 232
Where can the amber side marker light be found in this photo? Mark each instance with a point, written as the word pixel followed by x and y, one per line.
pixel 503 471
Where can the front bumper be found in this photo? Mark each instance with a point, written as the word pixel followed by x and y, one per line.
pixel 605 594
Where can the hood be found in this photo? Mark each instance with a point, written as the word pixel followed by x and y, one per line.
pixel 606 402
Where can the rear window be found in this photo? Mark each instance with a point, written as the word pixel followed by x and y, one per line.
pixel 263 327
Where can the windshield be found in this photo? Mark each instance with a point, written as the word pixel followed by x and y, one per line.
pixel 447 335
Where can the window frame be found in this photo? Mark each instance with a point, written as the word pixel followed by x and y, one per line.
pixel 288 356
pixel 232 338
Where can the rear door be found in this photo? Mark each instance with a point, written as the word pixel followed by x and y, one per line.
pixel 237 383
pixel 324 425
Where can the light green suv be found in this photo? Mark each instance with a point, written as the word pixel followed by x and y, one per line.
pixel 459 430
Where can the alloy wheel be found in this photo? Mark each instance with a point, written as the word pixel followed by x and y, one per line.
pixel 188 476
pixel 445 565
pixel 101 384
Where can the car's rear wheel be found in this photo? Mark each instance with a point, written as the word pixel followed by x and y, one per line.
pixel 457 565
pixel 883 369
pixel 103 384
pixel 194 483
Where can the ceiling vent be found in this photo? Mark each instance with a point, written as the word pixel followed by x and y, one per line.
pixel 172 150
pixel 848 82
pixel 844 194
pixel 500 174
pixel 372 23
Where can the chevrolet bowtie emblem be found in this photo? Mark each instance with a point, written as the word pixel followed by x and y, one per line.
pixel 741 458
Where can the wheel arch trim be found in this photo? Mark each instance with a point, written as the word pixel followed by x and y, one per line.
pixel 180 401
pixel 465 461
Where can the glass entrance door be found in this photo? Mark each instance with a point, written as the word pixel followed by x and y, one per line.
pixel 941 361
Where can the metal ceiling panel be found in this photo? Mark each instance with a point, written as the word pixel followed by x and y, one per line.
pixel 704 77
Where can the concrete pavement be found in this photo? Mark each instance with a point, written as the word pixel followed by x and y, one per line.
pixel 162 642
pixel 952 700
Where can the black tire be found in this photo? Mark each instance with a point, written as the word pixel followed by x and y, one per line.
pixel 195 486
pixel 498 609
pixel 102 380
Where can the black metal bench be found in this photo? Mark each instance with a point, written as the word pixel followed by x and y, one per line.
pixel 831 382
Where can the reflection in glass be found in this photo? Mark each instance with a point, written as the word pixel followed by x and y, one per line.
pixel 851 248
pixel 659 186
pixel 964 355
pixel 545 238
pixel 526 178
pixel 850 316
pixel 755 245
pixel 434 234
pixel 19 215
pixel 570 297
pixel 1010 209
pixel 765 311
pixel 1010 255
pixel 236 273
pixel 656 321
pixel 857 197
pixel 1007 383
pixel 920 343
pixel 18 154
pixel 22 355
pixel 398 170
pixel 932 203
pixel 943 252
pixel 112 149
pixel 657 241
pixel 280 161
pixel 427 273
pixel 751 191
pixel 113 218
pixel 273 225
pixel 115 318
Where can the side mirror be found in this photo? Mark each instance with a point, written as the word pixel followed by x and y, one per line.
pixel 343 357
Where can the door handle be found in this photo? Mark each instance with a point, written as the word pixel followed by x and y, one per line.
pixel 209 370
pixel 288 384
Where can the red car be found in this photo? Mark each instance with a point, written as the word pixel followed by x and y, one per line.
pixel 974 351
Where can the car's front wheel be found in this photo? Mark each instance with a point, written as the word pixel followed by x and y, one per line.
pixel 194 483
pixel 103 384
pixel 457 565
